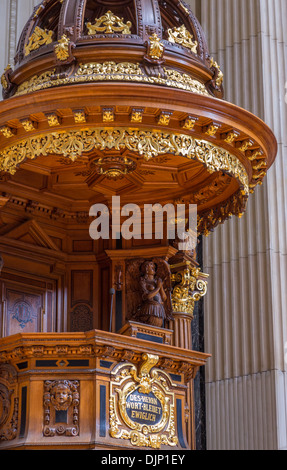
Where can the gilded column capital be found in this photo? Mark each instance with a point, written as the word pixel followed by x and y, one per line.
pixel 189 286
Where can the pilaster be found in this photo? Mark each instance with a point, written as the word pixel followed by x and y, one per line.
pixel 245 325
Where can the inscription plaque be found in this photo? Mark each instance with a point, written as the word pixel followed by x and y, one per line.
pixel 142 405
pixel 144 409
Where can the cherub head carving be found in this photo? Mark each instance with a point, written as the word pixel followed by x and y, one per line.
pixel 61 396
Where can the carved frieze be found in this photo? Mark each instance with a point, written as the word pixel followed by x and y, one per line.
pixel 146 143
pixel 111 71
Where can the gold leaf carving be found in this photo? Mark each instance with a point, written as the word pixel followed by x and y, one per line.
pixel 146 143
pixel 111 71
pixel 62 48
pixel 220 76
pixel 156 47
pixel 183 37
pixel 154 406
pixel 109 24
pixel 40 37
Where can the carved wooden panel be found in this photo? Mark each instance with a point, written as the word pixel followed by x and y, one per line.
pixel 27 305
pixel 82 299
pixel 23 312
pixel 61 408
pixel 9 403
pixel 82 287
pixel 81 318
pixel 105 298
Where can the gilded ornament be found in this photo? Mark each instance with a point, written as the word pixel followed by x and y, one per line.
pixel 184 7
pixel 183 37
pixel 40 37
pixel 53 120
pixel 188 123
pixel 4 82
pixel 79 117
pixel 7 132
pixel 211 130
pixel 114 167
pixel 156 47
pixel 109 24
pixel 230 137
pixel 62 48
pixel 164 118
pixel 189 286
pixel 219 73
pixel 243 146
pixel 108 115
pixel 259 166
pixel 28 125
pixel 137 115
pixel 111 71
pixel 146 143
pixel 142 405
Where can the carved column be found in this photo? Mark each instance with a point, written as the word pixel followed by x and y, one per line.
pixel 189 286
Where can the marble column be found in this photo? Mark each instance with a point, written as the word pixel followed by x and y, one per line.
pixel 245 318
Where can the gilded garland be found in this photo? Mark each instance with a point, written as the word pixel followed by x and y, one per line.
pixel 146 143
pixel 112 71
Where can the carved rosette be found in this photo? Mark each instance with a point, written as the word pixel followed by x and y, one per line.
pixel 61 408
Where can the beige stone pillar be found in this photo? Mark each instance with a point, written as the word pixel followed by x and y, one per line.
pixel 245 309
pixel 14 15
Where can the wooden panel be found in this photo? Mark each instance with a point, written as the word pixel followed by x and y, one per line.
pixel 81 316
pixel 105 297
pixel 82 246
pixel 23 312
pixel 82 287
pixel 27 305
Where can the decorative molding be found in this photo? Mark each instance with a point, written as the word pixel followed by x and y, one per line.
pixel 112 71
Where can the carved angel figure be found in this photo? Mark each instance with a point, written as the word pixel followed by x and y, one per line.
pixel 148 292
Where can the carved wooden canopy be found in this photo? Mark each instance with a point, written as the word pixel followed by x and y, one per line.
pixel 111 97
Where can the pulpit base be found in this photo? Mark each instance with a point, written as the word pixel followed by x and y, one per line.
pixel 96 390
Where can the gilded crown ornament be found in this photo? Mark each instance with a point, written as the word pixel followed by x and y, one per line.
pixel 109 24
pixel 182 37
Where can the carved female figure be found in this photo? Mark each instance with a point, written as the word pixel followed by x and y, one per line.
pixel 153 295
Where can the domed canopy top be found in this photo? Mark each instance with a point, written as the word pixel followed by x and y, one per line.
pixel 61 33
